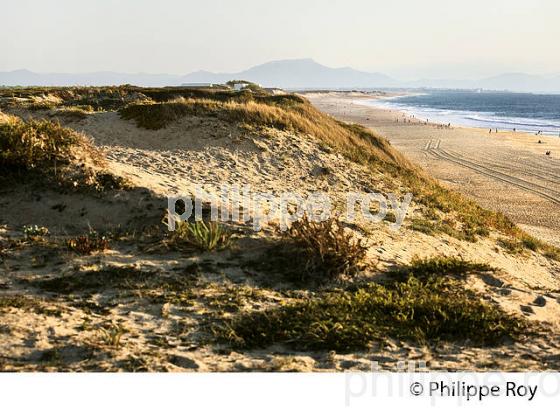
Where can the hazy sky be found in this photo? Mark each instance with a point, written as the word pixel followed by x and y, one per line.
pixel 407 39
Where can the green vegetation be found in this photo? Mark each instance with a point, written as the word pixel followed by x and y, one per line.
pixel 33 232
pixel 86 99
pixel 205 236
pixel 41 105
pixel 155 116
pixel 523 242
pixel 28 304
pixel 449 227
pixel 428 268
pixel 74 113
pixel 430 308
pixel 105 181
pixel 18 302
pixel 126 277
pixel 50 151
pixel 111 335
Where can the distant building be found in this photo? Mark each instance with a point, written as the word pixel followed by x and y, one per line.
pixel 238 85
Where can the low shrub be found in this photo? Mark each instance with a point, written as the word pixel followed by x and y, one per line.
pixel 344 321
pixel 524 242
pixel 74 113
pixel 440 266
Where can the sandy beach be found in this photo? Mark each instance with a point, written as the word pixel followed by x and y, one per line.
pixel 507 171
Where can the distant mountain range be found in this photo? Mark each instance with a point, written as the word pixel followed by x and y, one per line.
pixel 304 73
pixel 291 74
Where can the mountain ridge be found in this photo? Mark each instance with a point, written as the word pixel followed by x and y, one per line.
pixel 291 74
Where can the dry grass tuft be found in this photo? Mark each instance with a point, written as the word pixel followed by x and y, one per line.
pixel 325 249
pixel 315 252
pixel 88 244
pixel 34 144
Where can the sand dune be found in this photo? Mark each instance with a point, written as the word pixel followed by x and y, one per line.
pixel 154 305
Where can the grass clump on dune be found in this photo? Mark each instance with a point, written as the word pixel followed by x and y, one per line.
pixel 47 149
pixel 125 277
pixel 74 113
pixel 204 236
pixel 428 303
pixel 88 244
pixel 35 144
pixel 315 252
pixel 111 278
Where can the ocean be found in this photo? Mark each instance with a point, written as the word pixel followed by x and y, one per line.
pixel 502 110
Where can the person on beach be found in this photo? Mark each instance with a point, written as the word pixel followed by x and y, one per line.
pixel 490 131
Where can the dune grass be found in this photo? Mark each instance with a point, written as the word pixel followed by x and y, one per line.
pixel 523 242
pixel 35 144
pixel 201 235
pixel 47 150
pixel 314 253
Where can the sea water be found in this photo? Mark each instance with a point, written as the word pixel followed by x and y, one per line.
pixel 502 110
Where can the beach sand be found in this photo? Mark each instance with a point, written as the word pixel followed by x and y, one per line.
pixel 507 171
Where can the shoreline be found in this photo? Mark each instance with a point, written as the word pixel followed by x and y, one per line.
pixel 507 172
pixel 459 118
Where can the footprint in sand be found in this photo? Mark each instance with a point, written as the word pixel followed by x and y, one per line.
pixel 527 310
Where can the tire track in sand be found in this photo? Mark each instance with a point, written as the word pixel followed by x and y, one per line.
pixel 539 190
